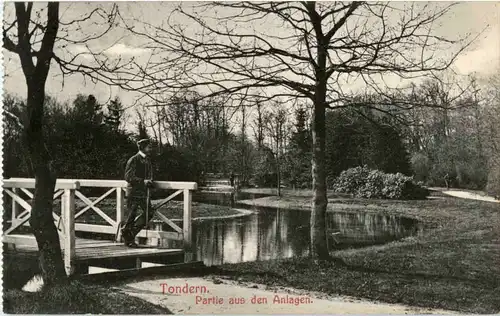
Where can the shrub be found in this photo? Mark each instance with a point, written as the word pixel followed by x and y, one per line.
pixel 351 179
pixel 374 184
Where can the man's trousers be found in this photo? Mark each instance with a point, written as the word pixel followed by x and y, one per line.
pixel 136 220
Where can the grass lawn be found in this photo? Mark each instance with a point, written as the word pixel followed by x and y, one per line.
pixel 77 298
pixel 454 264
pixel 174 210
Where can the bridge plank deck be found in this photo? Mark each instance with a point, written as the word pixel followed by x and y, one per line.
pixel 89 249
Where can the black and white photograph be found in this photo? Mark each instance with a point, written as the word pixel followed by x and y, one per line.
pixel 259 157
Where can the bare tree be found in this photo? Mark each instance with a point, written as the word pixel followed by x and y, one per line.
pixel 491 133
pixel 302 50
pixel 32 34
pixel 277 128
pixel 258 125
pixel 429 107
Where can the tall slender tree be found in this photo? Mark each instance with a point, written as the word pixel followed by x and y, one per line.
pixel 115 114
pixel 277 129
pixel 299 151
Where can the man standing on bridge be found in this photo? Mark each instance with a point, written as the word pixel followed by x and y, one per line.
pixel 139 175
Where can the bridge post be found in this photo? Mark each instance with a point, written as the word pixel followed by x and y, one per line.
pixel 186 226
pixel 68 216
pixel 120 203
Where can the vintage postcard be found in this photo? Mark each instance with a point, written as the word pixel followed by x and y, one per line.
pixel 251 157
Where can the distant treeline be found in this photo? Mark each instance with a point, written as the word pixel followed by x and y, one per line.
pixel 87 140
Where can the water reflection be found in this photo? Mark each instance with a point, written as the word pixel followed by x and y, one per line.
pixel 272 234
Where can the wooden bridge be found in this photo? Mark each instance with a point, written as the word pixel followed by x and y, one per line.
pixel 80 253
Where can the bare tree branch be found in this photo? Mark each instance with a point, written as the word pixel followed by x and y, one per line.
pixel 225 59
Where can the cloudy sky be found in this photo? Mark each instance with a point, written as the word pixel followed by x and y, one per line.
pixel 482 57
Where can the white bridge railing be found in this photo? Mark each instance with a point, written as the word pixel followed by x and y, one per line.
pixel 69 191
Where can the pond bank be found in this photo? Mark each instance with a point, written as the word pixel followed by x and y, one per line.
pixel 303 203
pixel 172 210
pixel 451 265
pixel 238 213
pixel 228 297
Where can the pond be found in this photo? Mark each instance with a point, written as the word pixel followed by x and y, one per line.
pixel 273 233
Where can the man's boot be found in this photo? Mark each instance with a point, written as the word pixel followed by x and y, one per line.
pixel 128 238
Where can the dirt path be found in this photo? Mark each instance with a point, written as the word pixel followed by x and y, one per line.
pixel 221 296
pixel 470 196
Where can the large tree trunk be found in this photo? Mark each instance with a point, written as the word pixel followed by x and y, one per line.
pixel 319 244
pixel 44 229
pixel 319 247
pixel 42 221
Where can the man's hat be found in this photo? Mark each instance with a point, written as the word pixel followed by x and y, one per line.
pixel 143 143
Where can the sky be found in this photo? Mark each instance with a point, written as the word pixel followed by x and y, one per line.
pixel 483 57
